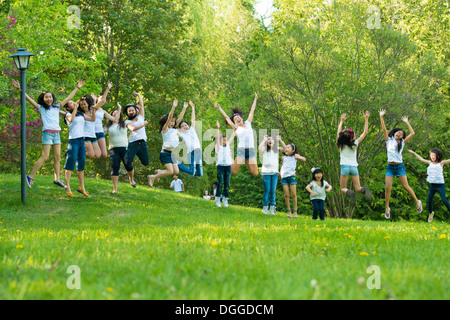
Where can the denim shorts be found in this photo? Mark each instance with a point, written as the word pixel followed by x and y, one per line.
pixel 91 140
pixel 76 154
pixel 50 138
pixel 395 170
pixel 347 170
pixel 246 153
pixel 288 180
pixel 100 135
pixel 166 157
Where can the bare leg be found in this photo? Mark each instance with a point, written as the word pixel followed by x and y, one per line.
pixel 404 182
pixel 102 145
pixel 44 157
pixel 387 194
pixel 56 160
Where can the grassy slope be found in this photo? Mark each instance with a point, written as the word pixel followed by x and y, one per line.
pixel 155 244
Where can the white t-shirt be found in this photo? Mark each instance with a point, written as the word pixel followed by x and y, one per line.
pixel 270 162
pixel 224 155
pixel 348 155
pixel 435 173
pixel 76 127
pixel 288 166
pixel 320 192
pixel 392 151
pixel 245 136
pixel 170 138
pixel 117 136
pixel 89 129
pixel 207 197
pixel 177 185
pixel 50 117
pixel 138 134
pixel 99 115
pixel 191 139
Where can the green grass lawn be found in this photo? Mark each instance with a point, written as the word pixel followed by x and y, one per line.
pixel 155 244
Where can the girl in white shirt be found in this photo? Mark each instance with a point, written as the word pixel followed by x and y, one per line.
pixel 167 125
pixel 89 108
pixel 269 173
pixel 194 151
pixel 118 143
pixel 435 177
pixel 348 145
pixel 395 141
pixel 49 108
pixel 287 173
pixel 246 146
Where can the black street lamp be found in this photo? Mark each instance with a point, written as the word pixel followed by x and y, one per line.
pixel 22 60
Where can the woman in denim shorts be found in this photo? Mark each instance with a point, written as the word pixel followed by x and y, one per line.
pixel 348 145
pixel 395 142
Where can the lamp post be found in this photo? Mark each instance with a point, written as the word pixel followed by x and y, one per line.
pixel 22 59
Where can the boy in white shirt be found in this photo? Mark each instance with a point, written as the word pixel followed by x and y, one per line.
pixel 177 184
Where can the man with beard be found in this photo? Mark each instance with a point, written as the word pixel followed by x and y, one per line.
pixel 137 143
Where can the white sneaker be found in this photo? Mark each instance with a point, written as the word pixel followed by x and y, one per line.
pixel 217 200
pixel 225 202
pixel 265 209
pixel 273 210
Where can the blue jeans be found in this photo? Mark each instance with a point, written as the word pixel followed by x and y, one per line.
pixel 223 180
pixel 76 154
pixel 318 209
pixel 194 161
pixel 270 188
pixel 437 187
pixel 137 148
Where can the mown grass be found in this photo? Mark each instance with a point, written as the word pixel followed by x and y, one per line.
pixel 155 244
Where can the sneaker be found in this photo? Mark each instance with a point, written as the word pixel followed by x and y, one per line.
pixel 30 181
pixel 366 192
pixel 352 197
pixel 387 214
pixel 265 209
pixel 225 202
pixel 217 201
pixel 59 184
pixel 430 217
pixel 272 210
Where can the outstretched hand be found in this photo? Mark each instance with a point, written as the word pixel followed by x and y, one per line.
pixel 382 112
pixel 405 119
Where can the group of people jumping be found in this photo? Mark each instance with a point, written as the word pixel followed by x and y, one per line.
pixel 85 116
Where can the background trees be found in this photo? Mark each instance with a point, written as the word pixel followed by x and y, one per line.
pixel 315 61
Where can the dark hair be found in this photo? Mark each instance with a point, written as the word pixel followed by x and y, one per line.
pixel 90 102
pixel 391 134
pixel 235 111
pixel 179 126
pixel 346 139
pixel 79 112
pixel 121 122
pixel 163 120
pixel 317 170
pixel 439 154
pixel 42 103
pixel 129 106
pixel 294 147
pixel 273 147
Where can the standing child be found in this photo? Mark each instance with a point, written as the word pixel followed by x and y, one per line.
pixel 49 108
pixel 269 173
pixel 194 155
pixel 287 173
pixel 224 162
pixel 317 189
pixel 347 145
pixel 435 177
pixel 395 141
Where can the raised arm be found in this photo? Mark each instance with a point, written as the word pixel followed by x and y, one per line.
pixel 71 117
pixel 181 116
pixel 192 114
pixel 366 127
pixel 299 157
pixel 411 131
pixel 252 110
pixel 383 126
pixel 232 137
pixel 283 145
pixel 227 119
pixel 16 85
pixel 72 94
pixel 102 101
pixel 261 146
pixel 217 135
pixel 419 157
pixel 170 116
pixel 140 104
pixel 341 123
